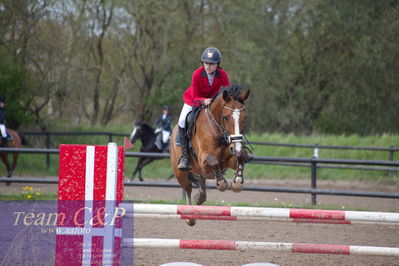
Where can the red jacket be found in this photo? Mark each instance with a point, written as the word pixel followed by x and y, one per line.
pixel 200 89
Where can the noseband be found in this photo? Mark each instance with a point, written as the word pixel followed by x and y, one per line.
pixel 227 137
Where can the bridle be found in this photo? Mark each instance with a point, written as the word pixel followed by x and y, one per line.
pixel 228 138
pixel 237 136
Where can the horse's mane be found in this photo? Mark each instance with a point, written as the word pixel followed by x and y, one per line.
pixel 147 127
pixel 233 90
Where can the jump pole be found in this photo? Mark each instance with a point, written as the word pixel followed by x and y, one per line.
pixel 269 246
pixel 242 218
pixel 285 213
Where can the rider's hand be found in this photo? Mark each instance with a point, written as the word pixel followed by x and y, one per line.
pixel 207 101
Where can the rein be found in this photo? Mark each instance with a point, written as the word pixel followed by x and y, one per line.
pixel 223 131
pixel 228 138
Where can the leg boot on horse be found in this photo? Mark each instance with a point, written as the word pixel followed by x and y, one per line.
pixel 184 161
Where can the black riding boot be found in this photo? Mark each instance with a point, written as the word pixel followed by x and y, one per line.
pixel 184 161
pixel 4 142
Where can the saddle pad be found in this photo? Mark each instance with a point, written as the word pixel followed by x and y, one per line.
pixel 9 136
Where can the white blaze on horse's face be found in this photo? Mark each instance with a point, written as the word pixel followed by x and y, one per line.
pixel 236 117
pixel 236 138
pixel 135 129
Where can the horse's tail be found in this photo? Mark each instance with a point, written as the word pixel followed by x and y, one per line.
pixel 23 139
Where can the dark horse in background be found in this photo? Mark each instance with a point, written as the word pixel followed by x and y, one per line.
pixel 148 138
pixel 15 140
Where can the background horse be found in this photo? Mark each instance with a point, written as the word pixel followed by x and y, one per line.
pixel 217 143
pixel 147 135
pixel 16 142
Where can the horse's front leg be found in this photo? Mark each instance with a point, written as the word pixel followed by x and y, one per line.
pixel 238 182
pixel 213 163
pixel 137 169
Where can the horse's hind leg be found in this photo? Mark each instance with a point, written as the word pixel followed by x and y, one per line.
pixel 15 161
pixel 200 196
pixel 187 186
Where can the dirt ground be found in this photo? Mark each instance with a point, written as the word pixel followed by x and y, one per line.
pixel 359 235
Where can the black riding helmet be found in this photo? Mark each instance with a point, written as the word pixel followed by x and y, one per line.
pixel 211 55
pixel 2 99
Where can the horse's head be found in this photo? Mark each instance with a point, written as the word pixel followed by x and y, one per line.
pixel 141 131
pixel 234 115
pixel 137 131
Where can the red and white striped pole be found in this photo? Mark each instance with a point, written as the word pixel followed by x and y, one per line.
pixel 271 246
pixel 336 215
pixel 241 218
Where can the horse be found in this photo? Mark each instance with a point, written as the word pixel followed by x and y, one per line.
pixel 148 138
pixel 16 141
pixel 216 145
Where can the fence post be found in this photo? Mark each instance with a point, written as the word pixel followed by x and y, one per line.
pixel 109 137
pixel 316 151
pixel 314 180
pixel 391 157
pixel 313 169
pixel 48 143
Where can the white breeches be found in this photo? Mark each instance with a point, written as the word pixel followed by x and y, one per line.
pixel 165 136
pixel 3 130
pixel 182 118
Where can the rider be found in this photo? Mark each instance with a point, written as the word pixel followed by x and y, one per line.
pixel 163 122
pixel 3 132
pixel 206 82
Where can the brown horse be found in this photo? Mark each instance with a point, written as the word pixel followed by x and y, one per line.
pixel 15 142
pixel 217 144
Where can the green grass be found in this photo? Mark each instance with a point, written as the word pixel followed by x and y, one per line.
pixel 29 193
pixel 21 197
pixel 35 165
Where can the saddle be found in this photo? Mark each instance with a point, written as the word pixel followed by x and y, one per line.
pixel 191 119
pixel 190 124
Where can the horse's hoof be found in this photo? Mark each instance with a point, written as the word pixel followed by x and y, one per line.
pixel 222 185
pixel 237 186
pixel 190 222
